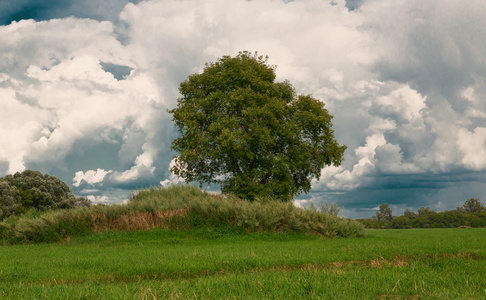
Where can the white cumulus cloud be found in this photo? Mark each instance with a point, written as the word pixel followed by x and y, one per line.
pixel 90 177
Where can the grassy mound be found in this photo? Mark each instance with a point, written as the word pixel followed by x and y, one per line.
pixel 175 207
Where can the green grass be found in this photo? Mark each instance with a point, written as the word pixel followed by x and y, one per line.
pixel 228 262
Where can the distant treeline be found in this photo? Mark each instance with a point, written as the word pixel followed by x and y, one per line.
pixel 471 214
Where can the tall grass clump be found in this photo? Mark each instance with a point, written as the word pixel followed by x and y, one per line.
pixel 204 209
pixel 178 207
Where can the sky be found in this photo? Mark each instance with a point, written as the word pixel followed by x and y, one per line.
pixel 85 87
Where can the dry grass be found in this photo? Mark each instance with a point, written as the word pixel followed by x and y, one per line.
pixel 135 220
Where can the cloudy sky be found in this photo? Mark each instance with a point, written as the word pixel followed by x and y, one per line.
pixel 85 87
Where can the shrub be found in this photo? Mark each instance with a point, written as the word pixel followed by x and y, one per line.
pixel 32 189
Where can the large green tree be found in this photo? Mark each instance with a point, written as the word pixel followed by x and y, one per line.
pixel 252 135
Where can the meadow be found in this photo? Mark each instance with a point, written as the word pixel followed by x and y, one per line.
pixel 228 262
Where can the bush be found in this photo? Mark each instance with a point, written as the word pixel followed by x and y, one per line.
pixel 32 189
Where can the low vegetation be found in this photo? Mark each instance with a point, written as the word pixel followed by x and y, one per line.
pixel 175 207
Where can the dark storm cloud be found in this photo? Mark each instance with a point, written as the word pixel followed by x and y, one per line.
pixel 439 51
pixel 40 10
pixel 439 192
pixel 15 10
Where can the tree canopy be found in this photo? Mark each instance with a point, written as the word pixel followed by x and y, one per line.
pixel 473 205
pixel 252 135
pixel 28 189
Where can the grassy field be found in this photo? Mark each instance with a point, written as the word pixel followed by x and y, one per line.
pixel 230 263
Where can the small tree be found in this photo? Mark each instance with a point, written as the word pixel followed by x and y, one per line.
pixel 473 205
pixel 384 213
pixel 82 202
pixel 253 136
pixel 331 208
pixel 425 211
pixel 408 213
